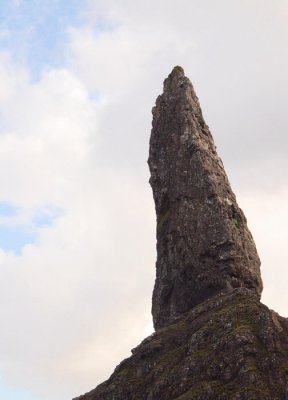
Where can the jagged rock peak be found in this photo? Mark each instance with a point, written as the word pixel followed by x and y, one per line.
pixel 203 244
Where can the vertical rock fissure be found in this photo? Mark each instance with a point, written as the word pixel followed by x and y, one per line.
pixel 203 243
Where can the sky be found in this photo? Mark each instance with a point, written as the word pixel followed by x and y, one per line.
pixel 78 81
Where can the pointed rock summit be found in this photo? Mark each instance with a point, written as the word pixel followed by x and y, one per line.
pixel 203 244
pixel 213 339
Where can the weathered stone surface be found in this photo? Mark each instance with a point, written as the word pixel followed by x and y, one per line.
pixel 203 244
pixel 230 347
pixel 214 340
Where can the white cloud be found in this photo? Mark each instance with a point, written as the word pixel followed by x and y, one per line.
pixel 267 216
pixel 69 294
pixel 49 128
pixel 10 77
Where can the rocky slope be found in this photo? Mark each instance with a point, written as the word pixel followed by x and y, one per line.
pixel 214 339
pixel 228 347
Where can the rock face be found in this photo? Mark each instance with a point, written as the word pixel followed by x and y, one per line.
pixel 203 244
pixel 214 339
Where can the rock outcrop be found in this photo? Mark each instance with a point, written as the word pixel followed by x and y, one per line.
pixel 214 339
pixel 203 244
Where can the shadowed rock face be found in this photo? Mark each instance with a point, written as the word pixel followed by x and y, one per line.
pixel 203 244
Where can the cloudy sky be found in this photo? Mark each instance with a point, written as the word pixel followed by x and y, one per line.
pixel 78 80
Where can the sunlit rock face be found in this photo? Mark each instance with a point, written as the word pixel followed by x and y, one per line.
pixel 203 244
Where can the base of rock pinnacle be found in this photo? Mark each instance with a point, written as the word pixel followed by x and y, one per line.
pixel 231 347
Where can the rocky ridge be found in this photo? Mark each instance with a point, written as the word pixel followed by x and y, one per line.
pixel 214 339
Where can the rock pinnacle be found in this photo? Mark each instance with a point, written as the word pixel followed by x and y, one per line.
pixel 214 339
pixel 204 246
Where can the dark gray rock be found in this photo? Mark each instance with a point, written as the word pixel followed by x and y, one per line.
pixel 214 340
pixel 203 244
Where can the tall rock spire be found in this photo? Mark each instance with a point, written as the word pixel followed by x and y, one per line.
pixel 227 345
pixel 203 244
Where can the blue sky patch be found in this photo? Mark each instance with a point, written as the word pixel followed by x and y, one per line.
pixel 7 209
pixel 35 31
pixel 14 238
pixel 46 216
pixel 8 392
pixel 15 235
